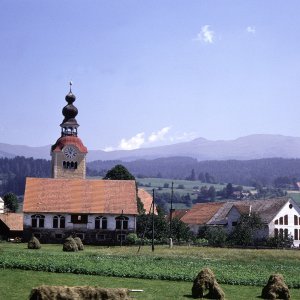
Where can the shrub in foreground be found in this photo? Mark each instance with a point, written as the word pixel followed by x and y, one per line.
pixel 70 245
pixel 34 243
pixel 79 243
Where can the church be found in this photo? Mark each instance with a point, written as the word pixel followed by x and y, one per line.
pixel 97 211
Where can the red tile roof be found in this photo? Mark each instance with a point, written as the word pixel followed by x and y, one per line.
pixel 79 196
pixel 201 213
pixel 13 221
pixel 69 140
pixel 146 198
pixel 178 213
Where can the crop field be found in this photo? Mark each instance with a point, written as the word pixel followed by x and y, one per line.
pixel 231 266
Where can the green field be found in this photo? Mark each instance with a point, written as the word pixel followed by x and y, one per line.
pixel 176 268
pixel 295 195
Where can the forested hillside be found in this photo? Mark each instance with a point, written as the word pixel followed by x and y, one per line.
pixel 13 172
pixel 243 172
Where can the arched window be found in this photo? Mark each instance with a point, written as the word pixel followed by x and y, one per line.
pixel 100 223
pixel 122 223
pixel 296 235
pixel 37 221
pixel 276 232
pixel 281 220
pixel 295 220
pixel 286 220
pixel 58 221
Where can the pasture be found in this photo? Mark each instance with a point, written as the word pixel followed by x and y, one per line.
pixel 164 274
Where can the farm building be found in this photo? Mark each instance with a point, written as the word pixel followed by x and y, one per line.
pixel 11 225
pixel 280 216
pixel 98 211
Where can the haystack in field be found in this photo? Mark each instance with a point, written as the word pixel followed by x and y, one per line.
pixel 45 292
pixel 70 245
pixel 34 243
pixel 206 285
pixel 79 243
pixel 276 288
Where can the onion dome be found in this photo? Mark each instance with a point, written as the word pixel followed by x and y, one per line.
pixel 69 124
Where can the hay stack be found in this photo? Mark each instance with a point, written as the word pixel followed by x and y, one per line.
pixel 276 288
pixel 206 285
pixel 45 292
pixel 79 243
pixel 70 245
pixel 34 243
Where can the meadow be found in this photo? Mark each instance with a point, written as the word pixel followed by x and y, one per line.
pixel 237 269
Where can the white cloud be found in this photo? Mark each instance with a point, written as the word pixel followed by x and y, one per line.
pixel 133 143
pixel 159 135
pixel 251 29
pixel 206 35
pixel 183 137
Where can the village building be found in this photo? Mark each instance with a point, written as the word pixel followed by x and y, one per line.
pixel 98 211
pixel 280 216
pixel 11 226
pixel 1 206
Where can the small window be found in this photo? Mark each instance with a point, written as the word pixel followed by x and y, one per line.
pixel 286 233
pixel 296 237
pixel 291 206
pixel 276 232
pixel 37 221
pixel 100 223
pixel 276 222
pixel 55 222
pixel 79 219
pixel 121 237
pixel 281 220
pixel 122 223
pixel 295 220
pixel 281 232
pixel 93 236
pixel 101 237
pixel 234 223
pixel 286 220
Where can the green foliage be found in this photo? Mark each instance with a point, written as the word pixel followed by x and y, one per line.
pixel 34 243
pixel 246 229
pixel 140 206
pixel 216 236
pixel 180 230
pixel 79 243
pixel 70 245
pixel 119 172
pixel 280 241
pixel 11 202
pixel 132 239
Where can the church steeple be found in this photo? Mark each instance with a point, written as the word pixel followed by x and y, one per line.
pixel 69 125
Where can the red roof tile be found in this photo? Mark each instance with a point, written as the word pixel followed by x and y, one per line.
pixel 146 198
pixel 13 221
pixel 80 196
pixel 201 213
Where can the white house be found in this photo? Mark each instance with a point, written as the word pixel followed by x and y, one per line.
pixel 281 216
pixel 1 206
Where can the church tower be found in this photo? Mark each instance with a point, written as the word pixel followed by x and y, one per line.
pixel 69 153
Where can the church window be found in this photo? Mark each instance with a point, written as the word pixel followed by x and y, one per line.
pixel 276 222
pixel 37 221
pixel 122 223
pixel 58 222
pixel 296 237
pixel 100 223
pixel 276 232
pixel 286 233
pixel 281 220
pixel 286 220
pixel 281 232
pixel 295 220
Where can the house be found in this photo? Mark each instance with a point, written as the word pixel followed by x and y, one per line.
pixel 98 211
pixel 147 200
pixel 280 216
pixel 11 225
pixel 1 206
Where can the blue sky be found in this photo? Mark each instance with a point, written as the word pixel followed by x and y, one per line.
pixel 149 73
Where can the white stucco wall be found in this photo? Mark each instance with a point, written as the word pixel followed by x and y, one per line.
pixel 111 222
pixel 290 212
pixel 1 206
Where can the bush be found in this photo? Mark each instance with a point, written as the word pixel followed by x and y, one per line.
pixel 79 243
pixel 216 236
pixel 132 238
pixel 201 242
pixel 34 243
pixel 280 242
pixel 70 245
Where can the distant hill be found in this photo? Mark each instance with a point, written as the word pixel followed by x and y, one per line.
pixel 245 148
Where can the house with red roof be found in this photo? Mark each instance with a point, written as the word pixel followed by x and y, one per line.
pixel 97 211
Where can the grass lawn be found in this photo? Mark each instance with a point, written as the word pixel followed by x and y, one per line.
pixel 17 284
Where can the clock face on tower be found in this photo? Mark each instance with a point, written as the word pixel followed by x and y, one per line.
pixel 70 152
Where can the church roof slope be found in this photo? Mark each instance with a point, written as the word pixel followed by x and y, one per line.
pixel 44 195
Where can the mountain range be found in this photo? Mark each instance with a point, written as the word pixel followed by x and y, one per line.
pixel 244 148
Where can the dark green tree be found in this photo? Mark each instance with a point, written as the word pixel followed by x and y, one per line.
pixel 180 230
pixel 211 193
pixel 11 202
pixel 245 231
pixel 216 236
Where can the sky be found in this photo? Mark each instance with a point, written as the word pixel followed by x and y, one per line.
pixel 149 73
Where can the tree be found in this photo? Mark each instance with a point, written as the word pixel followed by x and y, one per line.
pixel 211 193
pixel 229 190
pixel 119 172
pixel 245 231
pixel 180 230
pixel 216 236
pixel 11 202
